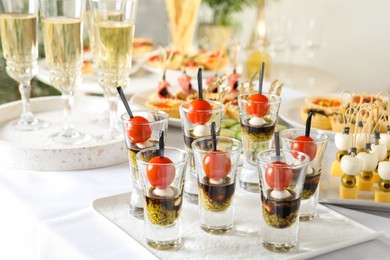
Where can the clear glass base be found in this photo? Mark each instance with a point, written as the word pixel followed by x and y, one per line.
pixel 249 186
pixel 166 245
pixel 248 178
pixel 191 186
pixel 278 247
pixel 216 230
pixel 101 122
pixel 34 125
pixel 307 217
pixel 191 198
pixel 70 138
pixel 112 134
pixel 136 205
pixel 136 212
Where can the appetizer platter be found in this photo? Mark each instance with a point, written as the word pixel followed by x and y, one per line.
pixel 330 194
pixel 211 62
pixel 360 170
pixel 331 231
pixel 140 99
pixel 222 87
pixel 326 109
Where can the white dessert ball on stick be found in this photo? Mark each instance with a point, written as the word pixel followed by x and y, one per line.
pixel 370 161
pixel 380 151
pixel 384 170
pixel 351 165
pixel 343 141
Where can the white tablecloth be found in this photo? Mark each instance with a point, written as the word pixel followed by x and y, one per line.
pixel 48 215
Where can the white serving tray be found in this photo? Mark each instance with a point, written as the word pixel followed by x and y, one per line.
pixel 31 150
pixel 328 232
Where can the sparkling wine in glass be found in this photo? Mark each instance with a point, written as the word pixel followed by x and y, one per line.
pixel 113 29
pixel 62 30
pixel 18 23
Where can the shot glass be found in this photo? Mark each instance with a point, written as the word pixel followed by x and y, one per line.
pixel 281 191
pixel 216 172
pixel 163 186
pixel 257 128
pixel 313 174
pixel 139 136
pixel 193 130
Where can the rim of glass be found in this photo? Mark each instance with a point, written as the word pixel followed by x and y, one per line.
pixel 184 159
pixel 125 117
pixel 217 103
pixel 277 98
pixel 322 134
pixel 299 163
pixel 236 141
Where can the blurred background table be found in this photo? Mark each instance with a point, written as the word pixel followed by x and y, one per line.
pixel 305 78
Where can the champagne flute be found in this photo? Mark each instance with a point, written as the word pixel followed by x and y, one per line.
pixel 313 37
pixel 113 27
pixel 313 42
pixel 62 30
pixel 293 43
pixel 18 22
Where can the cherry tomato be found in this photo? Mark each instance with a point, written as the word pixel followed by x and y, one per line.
pixel 278 175
pixel 160 176
pixel 216 165
pixel 138 129
pixel 257 105
pixel 196 114
pixel 305 144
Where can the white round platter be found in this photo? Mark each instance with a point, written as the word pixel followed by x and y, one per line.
pixel 32 150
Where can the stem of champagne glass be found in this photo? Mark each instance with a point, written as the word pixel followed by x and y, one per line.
pixel 26 117
pixel 68 128
pixel 113 108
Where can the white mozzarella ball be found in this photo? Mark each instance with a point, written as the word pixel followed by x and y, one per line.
pixel 380 151
pixel 309 170
pixel 384 170
pixel 216 181
pixel 257 121
pixel 167 192
pixel 360 141
pixel 343 141
pixel 144 145
pixel 201 130
pixel 276 194
pixel 351 165
pixel 385 139
pixel 370 161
